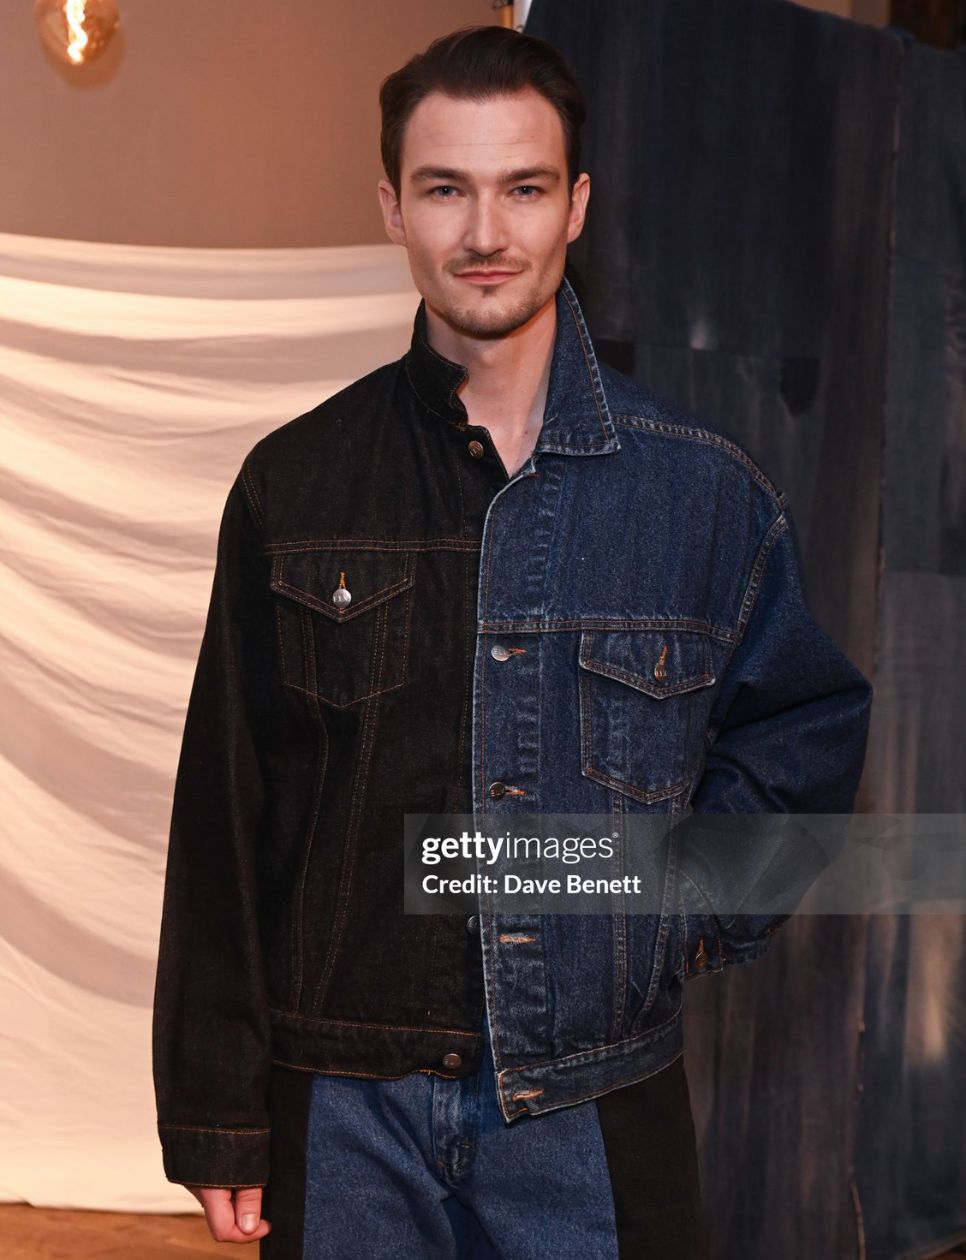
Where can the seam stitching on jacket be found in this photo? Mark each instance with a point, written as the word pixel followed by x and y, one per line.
pixel 592 1056
pixel 200 1128
pixel 750 597
pixel 372 544
pixel 354 1023
pixel 765 552
pixel 697 433
pixel 248 485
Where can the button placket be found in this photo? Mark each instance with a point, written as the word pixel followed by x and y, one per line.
pixel 508 699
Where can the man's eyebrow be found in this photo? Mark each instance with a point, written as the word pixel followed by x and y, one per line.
pixel 424 173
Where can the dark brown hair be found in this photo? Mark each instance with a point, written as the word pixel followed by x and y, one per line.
pixel 477 62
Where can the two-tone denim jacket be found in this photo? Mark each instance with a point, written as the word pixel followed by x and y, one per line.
pixel 638 643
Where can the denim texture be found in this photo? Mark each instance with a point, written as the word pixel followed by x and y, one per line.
pixel 633 535
pixel 442 1175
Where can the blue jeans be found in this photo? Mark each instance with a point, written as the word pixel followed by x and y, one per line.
pixel 427 1169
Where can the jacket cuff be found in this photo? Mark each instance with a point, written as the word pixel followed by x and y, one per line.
pixel 701 938
pixel 710 945
pixel 198 1156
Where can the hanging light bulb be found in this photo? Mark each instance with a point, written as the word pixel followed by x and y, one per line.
pixel 76 31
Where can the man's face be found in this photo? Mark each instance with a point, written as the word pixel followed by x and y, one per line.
pixel 483 186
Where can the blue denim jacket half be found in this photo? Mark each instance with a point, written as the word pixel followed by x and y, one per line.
pixel 672 664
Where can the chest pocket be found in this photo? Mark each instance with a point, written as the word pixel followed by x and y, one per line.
pixel 343 621
pixel 645 696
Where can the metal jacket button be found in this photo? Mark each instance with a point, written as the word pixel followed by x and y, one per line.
pixel 452 1060
pixel 473 924
pixel 499 652
pixel 476 449
pixel 497 790
pixel 341 596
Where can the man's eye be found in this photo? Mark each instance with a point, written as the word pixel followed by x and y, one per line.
pixel 443 188
pixel 531 187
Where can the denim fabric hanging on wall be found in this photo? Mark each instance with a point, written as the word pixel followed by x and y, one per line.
pixel 911 1142
pixel 776 239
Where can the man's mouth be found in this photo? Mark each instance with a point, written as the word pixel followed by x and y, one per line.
pixel 483 276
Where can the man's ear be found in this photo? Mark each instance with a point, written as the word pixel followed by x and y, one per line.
pixel 579 197
pixel 391 213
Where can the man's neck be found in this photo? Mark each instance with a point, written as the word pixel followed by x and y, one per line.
pixel 506 390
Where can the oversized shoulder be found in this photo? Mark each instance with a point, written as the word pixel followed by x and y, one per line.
pixel 338 415
pixel 696 448
pixel 339 426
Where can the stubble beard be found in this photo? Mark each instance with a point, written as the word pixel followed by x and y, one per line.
pixel 478 321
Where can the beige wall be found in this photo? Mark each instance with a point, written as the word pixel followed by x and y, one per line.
pixel 209 122
pixel 842 8
pixel 218 122
pixel 872 12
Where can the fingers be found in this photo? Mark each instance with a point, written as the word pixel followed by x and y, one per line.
pixel 232 1215
pixel 248 1210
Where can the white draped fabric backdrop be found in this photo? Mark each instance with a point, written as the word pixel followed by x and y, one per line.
pixel 133 380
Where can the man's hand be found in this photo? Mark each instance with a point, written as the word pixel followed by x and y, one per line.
pixel 233 1215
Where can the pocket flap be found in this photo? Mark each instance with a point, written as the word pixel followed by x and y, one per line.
pixel 658 662
pixel 371 577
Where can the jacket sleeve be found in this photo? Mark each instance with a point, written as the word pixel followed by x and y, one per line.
pixel 211 1032
pixel 788 733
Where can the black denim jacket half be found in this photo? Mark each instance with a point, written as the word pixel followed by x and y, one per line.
pixel 309 733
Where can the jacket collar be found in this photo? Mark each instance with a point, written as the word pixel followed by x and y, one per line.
pixel 576 418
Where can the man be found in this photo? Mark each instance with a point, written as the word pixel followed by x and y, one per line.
pixel 497 577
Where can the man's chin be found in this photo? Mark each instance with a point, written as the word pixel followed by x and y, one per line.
pixel 489 325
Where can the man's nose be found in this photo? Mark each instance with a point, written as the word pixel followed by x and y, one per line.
pixel 486 231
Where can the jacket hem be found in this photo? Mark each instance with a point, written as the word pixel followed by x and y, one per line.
pixel 577 1078
pixel 342 1047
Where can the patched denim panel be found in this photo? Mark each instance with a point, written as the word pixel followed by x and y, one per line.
pixel 344 653
pixel 645 697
